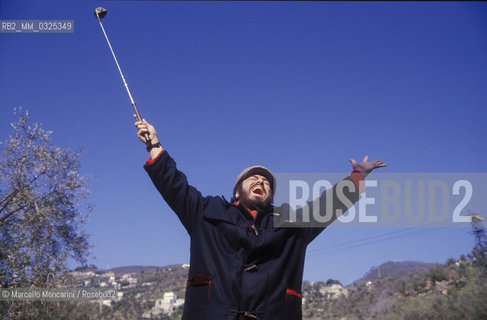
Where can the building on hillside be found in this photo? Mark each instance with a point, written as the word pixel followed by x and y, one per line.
pixel 334 291
pixel 166 305
pixel 112 280
pixel 128 281
pixel 369 285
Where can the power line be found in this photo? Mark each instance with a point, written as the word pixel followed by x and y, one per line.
pixel 372 237
pixel 368 241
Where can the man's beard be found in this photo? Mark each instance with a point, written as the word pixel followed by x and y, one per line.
pixel 254 203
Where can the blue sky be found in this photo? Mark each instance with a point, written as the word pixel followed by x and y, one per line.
pixel 294 86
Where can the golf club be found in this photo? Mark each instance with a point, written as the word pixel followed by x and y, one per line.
pixel 100 13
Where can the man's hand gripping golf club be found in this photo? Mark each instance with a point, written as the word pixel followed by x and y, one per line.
pixel 144 129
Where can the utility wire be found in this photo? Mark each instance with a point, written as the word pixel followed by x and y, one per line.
pixel 369 240
pixel 373 237
pixel 315 255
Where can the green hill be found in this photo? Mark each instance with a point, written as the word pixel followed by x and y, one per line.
pixel 391 268
pixel 450 291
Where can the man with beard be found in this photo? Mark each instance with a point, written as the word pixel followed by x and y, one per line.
pixel 242 266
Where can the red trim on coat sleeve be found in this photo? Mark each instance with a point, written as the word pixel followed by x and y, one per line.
pixel 358 176
pixel 151 161
pixel 293 293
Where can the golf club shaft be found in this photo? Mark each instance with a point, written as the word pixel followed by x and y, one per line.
pixel 137 114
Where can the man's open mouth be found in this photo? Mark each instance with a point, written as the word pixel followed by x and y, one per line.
pixel 257 190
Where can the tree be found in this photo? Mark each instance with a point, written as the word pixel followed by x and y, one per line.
pixel 450 262
pixel 42 207
pixel 331 282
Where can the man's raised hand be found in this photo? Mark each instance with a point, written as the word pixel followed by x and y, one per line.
pixel 144 127
pixel 366 167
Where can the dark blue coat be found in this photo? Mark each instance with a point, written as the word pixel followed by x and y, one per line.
pixel 240 268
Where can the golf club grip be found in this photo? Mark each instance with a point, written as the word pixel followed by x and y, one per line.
pixel 139 118
pixel 146 136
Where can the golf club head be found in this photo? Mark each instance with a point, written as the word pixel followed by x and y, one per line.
pixel 100 12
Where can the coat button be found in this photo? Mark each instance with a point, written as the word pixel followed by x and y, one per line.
pixel 252 268
pixel 249 315
pixel 254 229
